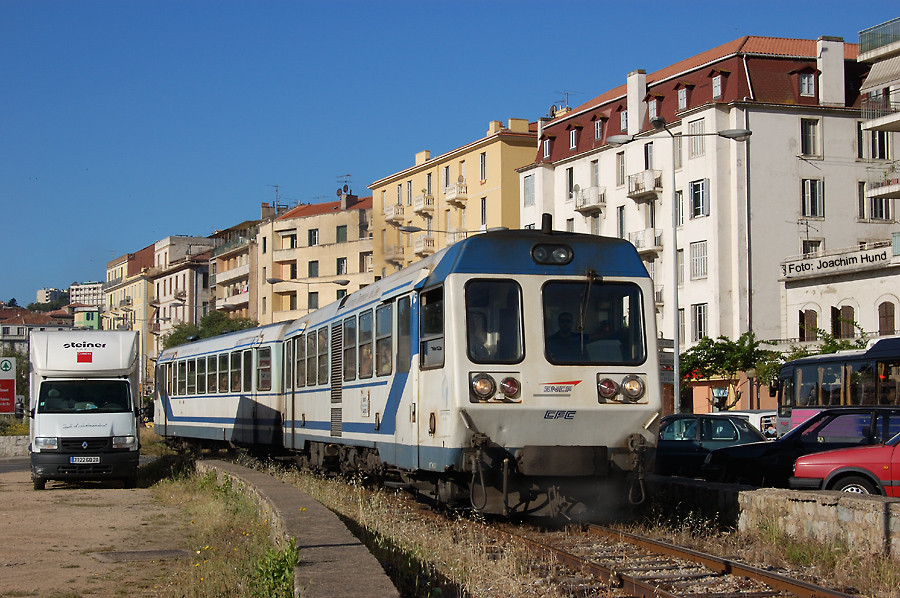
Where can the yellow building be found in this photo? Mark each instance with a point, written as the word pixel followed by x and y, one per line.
pixel 441 200
pixel 311 256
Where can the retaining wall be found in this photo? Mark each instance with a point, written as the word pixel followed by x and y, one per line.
pixel 13 446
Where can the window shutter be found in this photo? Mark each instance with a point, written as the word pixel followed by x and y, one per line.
pixel 705 192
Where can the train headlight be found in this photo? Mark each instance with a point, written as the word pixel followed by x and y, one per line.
pixel 483 386
pixel 509 386
pixel 632 388
pixel 607 388
pixel 552 254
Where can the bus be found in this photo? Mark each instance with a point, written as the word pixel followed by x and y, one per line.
pixel 869 376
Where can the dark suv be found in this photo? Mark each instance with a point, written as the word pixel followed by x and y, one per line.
pixel 771 463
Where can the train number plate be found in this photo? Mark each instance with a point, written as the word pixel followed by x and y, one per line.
pixel 84 459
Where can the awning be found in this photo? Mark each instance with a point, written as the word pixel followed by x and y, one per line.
pixel 883 73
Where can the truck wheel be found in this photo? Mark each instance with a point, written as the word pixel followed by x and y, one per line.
pixel 39 483
pixel 855 485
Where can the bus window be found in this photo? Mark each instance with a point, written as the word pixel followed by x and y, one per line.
pixel 861 376
pixel 350 348
pixel 365 344
pixel 264 368
pixel 888 382
pixel 431 328
pixel 384 325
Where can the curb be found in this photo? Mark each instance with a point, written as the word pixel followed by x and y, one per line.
pixel 333 562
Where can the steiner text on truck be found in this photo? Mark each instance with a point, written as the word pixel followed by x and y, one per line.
pixel 83 408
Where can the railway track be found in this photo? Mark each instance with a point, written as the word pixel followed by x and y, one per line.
pixel 638 566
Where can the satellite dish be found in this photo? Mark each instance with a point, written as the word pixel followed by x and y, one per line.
pixel 460 179
pixel 552 111
pixel 346 187
pixel 338 192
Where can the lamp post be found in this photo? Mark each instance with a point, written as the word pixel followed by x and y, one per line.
pixel 338 281
pixel 659 124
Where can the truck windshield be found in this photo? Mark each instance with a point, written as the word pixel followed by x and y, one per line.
pixel 76 396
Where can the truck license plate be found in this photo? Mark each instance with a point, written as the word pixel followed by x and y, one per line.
pixel 84 459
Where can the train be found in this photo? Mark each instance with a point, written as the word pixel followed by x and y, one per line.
pixel 514 372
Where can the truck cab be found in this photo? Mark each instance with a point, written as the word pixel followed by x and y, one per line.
pixel 83 407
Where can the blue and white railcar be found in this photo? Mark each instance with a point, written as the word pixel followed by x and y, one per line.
pixel 514 370
pixel 223 390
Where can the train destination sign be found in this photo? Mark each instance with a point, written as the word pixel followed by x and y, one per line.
pixel 818 265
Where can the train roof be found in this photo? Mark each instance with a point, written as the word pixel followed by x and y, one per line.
pixel 230 340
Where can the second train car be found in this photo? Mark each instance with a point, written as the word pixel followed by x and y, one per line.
pixel 514 371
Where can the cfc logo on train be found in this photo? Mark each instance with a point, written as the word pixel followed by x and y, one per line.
pixel 559 414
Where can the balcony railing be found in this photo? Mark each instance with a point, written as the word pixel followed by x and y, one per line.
pixel 424 245
pixel 659 295
pixel 229 275
pixel 878 106
pixel 647 240
pixel 645 184
pixel 424 204
pixel 590 200
pixel 393 213
pixel 879 35
pixel 394 253
pixel 456 194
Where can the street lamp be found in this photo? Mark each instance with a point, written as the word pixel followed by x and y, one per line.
pixel 338 281
pixel 659 124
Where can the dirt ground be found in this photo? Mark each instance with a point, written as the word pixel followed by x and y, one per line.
pixel 85 540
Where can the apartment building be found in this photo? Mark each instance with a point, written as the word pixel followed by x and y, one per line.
pixel 853 290
pixel 88 293
pixel 312 255
pixel 181 290
pixel 439 200
pixel 48 295
pixel 233 266
pixel 664 161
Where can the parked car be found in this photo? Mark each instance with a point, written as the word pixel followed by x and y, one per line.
pixel 861 470
pixel 686 438
pixel 763 420
pixel 771 463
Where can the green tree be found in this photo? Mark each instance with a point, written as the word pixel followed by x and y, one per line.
pixel 724 359
pixel 212 324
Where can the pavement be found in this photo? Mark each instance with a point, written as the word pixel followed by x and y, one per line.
pixel 333 562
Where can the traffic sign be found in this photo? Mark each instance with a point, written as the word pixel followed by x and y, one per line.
pixel 7 385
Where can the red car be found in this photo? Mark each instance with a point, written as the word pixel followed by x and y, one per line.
pixel 871 469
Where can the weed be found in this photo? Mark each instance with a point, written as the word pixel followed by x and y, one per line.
pixel 274 575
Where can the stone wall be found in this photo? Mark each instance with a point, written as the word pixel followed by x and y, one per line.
pixel 864 524
pixel 13 446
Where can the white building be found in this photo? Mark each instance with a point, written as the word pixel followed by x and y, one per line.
pixel 743 208
pixel 88 293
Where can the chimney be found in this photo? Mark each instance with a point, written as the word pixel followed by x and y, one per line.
pixel 494 127
pixel 266 211
pixel 830 62
pixel 518 125
pixel 348 200
pixel 422 157
pixel 637 108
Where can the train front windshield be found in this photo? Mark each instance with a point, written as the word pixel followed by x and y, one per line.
pixel 593 322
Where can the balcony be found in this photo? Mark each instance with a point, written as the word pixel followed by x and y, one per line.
pixel 884 183
pixel 424 245
pixel 235 273
pixel 879 40
pixel 645 184
pixel 424 204
pixel 235 301
pixel 394 253
pixel 646 241
pixel 880 113
pixel 590 201
pixel 456 194
pixel 393 213
pixel 659 295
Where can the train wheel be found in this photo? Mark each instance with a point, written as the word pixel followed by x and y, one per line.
pixel 854 485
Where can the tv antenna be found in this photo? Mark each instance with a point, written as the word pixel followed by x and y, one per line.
pixel 344 181
pixel 566 95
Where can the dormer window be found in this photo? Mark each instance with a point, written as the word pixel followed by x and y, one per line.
pixel 717 87
pixel 682 98
pixel 546 148
pixel 808 85
pixel 598 129
pixel 651 108
pixel 573 139
pixel 623 120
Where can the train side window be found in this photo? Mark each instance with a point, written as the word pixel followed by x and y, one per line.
pixel 211 374
pixel 264 368
pixel 311 354
pixel 404 334
pixel 323 355
pixel 201 375
pixel 236 372
pixel 300 357
pixel 192 376
pixel 248 371
pixel 365 344
pixel 170 377
pixel 384 325
pixel 350 348
pixel 288 361
pixel 223 372
pixel 431 328
pixel 182 378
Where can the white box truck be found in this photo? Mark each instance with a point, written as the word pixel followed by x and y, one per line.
pixel 84 406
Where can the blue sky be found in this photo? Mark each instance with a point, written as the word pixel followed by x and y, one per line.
pixel 125 121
